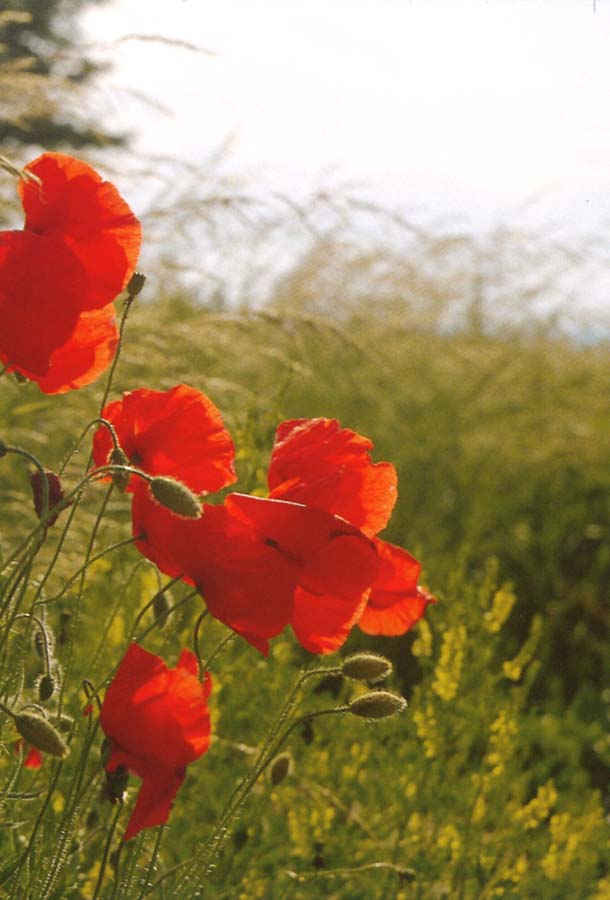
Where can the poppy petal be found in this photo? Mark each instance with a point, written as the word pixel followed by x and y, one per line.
pixel 154 715
pixel 321 622
pixel 85 355
pixel 245 583
pixel 41 283
pixel 179 433
pixel 395 603
pixel 73 201
pixel 330 555
pixel 320 464
pixel 155 799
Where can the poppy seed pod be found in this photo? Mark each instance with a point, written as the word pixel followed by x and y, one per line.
pixel 39 732
pixel 377 705
pixel 176 497
pixel 280 768
pixel 366 667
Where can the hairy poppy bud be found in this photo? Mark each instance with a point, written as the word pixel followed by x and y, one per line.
pixel 136 283
pixel 43 641
pixel 366 667
pixel 377 705
pixel 39 732
pixel 64 722
pixel 175 496
pixel 280 768
pixel 119 479
pixel 46 688
pixel 55 493
pixel 160 605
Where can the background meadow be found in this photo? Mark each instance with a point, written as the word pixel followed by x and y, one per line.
pixel 492 405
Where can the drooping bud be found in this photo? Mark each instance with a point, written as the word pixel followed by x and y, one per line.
pixel 40 733
pixel 120 479
pixel 377 705
pixel 136 283
pixel 160 606
pixel 116 785
pixel 46 688
pixel 92 819
pixel 56 493
pixel 176 497
pixel 64 722
pixel 280 768
pixel 366 667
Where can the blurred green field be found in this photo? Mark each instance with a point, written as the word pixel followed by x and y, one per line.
pixel 491 784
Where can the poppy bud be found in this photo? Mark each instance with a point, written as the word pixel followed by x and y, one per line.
pixel 175 496
pixel 46 688
pixel 64 722
pixel 116 785
pixel 43 641
pixel 366 667
pixel 280 768
pixel 120 479
pixel 160 605
pixel 377 705
pixel 55 493
pixel 39 732
pixel 136 283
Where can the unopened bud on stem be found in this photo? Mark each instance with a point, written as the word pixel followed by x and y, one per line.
pixel 280 768
pixel 377 705
pixel 136 283
pixel 366 667
pixel 120 479
pixel 39 732
pixel 175 496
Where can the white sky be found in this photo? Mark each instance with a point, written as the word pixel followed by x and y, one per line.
pixel 483 112
pixel 473 104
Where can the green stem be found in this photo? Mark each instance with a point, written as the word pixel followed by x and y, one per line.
pixel 106 853
pixel 203 860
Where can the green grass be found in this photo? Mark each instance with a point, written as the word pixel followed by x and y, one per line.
pixel 489 785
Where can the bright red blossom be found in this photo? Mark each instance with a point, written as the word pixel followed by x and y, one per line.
pixel 59 276
pixel 178 433
pixel 252 558
pixel 157 722
pixel 315 461
pixel 320 464
pixel 33 758
pixel 396 602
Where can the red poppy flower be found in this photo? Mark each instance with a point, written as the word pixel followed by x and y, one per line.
pixel 252 558
pixel 315 461
pixel 396 602
pixel 178 433
pixel 74 204
pixel 157 722
pixel 77 252
pixel 33 758
pixel 320 464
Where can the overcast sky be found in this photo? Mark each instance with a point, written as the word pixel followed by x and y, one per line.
pixel 470 103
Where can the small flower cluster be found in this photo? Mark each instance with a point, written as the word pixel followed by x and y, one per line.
pixel 307 555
